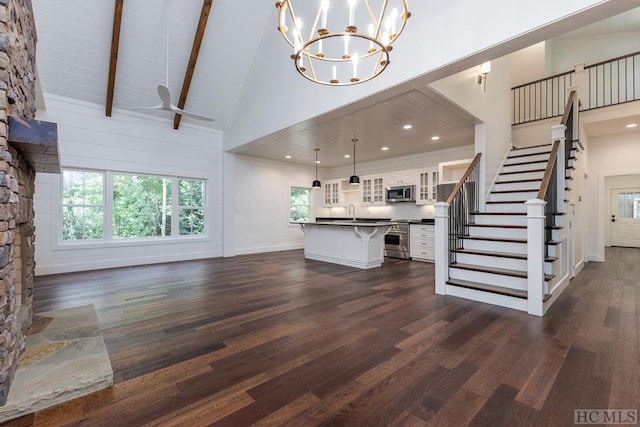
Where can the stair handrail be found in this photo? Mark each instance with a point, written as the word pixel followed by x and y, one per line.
pixel 461 205
pixel 460 183
pixel 548 172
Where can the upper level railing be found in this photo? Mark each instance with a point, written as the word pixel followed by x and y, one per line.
pixel 610 82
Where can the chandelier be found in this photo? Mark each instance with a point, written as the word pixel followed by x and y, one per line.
pixel 341 42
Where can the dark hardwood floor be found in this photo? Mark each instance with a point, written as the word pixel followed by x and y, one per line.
pixel 272 339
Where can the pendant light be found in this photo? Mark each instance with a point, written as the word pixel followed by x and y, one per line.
pixel 316 182
pixel 354 179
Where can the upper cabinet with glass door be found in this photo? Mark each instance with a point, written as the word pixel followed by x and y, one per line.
pixel 332 193
pixel 427 187
pixel 372 191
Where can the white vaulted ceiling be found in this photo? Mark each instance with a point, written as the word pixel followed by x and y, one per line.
pixel 73 52
pixel 74 41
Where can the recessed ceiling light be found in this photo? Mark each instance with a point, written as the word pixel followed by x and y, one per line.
pixel 435 138
pixel 287 157
pixel 346 156
pixel 317 161
pixel 407 126
pixel 631 125
pixel 385 148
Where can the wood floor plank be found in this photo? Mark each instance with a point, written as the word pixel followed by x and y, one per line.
pixel 274 339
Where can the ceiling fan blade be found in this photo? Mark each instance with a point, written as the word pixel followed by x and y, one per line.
pixel 189 114
pixel 165 97
pixel 155 107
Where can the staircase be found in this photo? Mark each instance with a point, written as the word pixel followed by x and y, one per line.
pixel 513 251
pixel 491 260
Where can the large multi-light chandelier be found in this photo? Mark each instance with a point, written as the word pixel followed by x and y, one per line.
pixel 341 42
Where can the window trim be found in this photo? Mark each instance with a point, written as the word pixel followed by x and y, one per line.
pixel 108 241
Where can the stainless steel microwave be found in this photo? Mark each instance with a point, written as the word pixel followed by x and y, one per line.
pixel 404 193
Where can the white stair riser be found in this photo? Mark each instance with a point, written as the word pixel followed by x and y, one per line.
pixel 492 261
pixel 489 278
pixel 487 245
pixel 516 185
pixel 530 150
pixel 507 233
pixel 520 195
pixel 527 167
pixel 521 175
pixel 501 219
pixel 538 157
pixel 571 162
pixel 506 207
pixel 553 250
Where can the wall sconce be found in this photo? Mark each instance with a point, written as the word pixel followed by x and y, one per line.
pixel 485 68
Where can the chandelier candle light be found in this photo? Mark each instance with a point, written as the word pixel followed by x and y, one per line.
pixel 336 51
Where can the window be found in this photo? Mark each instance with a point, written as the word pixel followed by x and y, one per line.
pixel 299 203
pixel 82 205
pixel 133 206
pixel 141 206
pixel 629 205
pixel 191 207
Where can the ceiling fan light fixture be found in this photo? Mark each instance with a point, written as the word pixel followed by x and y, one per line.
pixel 346 45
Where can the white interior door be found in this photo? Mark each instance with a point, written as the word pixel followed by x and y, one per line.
pixel 625 217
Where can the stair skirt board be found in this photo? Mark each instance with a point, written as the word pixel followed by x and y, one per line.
pixel 556 290
pixel 487 297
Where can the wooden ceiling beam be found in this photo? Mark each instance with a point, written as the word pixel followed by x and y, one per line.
pixel 113 61
pixel 193 59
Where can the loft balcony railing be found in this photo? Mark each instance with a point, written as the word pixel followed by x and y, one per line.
pixel 611 82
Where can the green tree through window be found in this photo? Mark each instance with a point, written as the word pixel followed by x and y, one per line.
pixel 82 205
pixel 299 204
pixel 140 206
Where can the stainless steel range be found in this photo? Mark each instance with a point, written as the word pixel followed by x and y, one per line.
pixel 396 241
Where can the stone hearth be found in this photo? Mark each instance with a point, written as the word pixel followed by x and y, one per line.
pixel 65 358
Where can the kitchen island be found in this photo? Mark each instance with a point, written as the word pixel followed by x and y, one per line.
pixel 353 243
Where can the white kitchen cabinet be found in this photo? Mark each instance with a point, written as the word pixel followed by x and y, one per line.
pixel 422 242
pixel 400 178
pixel 426 191
pixel 372 191
pixel 332 193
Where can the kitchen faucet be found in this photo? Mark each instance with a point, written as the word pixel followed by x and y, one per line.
pixel 351 205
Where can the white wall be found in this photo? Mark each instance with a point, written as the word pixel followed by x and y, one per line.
pixel 128 143
pixel 610 155
pixel 492 107
pixel 564 53
pixel 528 64
pixel 261 216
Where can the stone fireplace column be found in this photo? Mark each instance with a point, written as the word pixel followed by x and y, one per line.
pixel 17 177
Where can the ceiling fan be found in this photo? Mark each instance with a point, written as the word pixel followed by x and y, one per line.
pixel 163 89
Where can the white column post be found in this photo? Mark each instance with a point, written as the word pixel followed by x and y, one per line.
pixel 535 255
pixel 442 247
pixel 579 83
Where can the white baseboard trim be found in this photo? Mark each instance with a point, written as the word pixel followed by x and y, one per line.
pixel 264 249
pixel 556 291
pixel 578 267
pixel 595 257
pixel 43 269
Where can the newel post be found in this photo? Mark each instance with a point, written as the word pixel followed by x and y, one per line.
pixel 535 256
pixel 442 247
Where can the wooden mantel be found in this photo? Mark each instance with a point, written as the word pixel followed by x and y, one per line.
pixel 37 141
